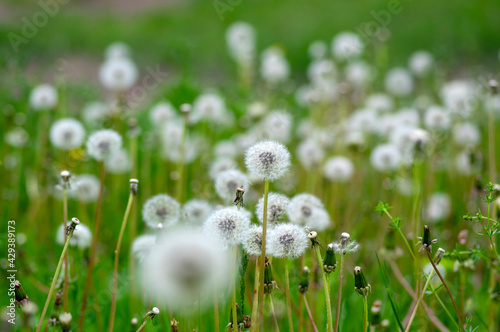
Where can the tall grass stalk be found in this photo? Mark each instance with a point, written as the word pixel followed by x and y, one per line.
pixel 56 274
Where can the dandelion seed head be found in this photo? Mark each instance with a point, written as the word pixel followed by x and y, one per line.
pixel 380 102
pixel 226 149
pixel 466 134
pixel 338 169
pixel 420 63
pixel 196 211
pixel 317 49
pixel 307 210
pixel 118 162
pixel 359 73
pixel 228 181
pixel 240 39
pixel 310 154
pixel 346 45
pixel 95 112
pixel 268 160
pixel 67 134
pixel 162 113
pixel 276 126
pixel 252 241
pixel 142 246
pixel 117 50
pixel 209 107
pixel 227 225
pixel 118 74
pixel 43 97
pixel 287 241
pixel 274 66
pixel 101 144
pixel 458 97
pixel 385 158
pixel 161 210
pixel 277 205
pixel 86 188
pixel 399 82
pixel 82 236
pixel 437 118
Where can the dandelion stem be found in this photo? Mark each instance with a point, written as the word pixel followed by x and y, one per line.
pixel 216 310
pixel 491 140
pixel 310 314
pixel 419 300
pixel 180 164
pixel 447 288
pixel 117 259
pixel 66 273
pixel 288 297
pixel 263 253
pixel 271 305
pixel 255 306
pixel 329 323
pixel 233 302
pixel 339 299
pixel 54 280
pixel 401 233
pixel 365 306
pixel 88 280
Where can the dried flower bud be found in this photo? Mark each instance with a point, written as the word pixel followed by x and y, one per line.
pixel 439 255
pixel 174 325
pixel 56 310
pixel 72 226
pixel 304 280
pixel 133 186
pixel 360 285
pixel 238 201
pixel 20 294
pixel 330 261
pixel 269 283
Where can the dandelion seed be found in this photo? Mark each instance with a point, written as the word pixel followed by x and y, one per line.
pixel 67 134
pixel 43 97
pixel 228 181
pixel 287 241
pixel 277 205
pixel 227 225
pixel 161 210
pixel 103 143
pixel 268 160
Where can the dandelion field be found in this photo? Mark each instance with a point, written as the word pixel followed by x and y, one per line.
pixel 257 163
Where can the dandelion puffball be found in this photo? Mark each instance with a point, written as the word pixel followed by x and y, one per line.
pixel 437 118
pixel 240 39
pixel 161 210
pixel 227 182
pixel 86 188
pixel 347 45
pixel 142 246
pixel 43 97
pixel 338 169
pixel 267 160
pixel 161 113
pixel 307 210
pixel 466 134
pixel 101 144
pixel 185 265
pixel 252 241
pixel 95 112
pixel 277 205
pixel 287 241
pixel 118 162
pixel 310 154
pixel 399 82
pixel 385 158
pixel 82 237
pixel 227 226
pixel 196 211
pixel 118 74
pixel 420 63
pixel 67 134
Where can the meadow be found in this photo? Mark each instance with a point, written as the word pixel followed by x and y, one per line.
pixel 250 166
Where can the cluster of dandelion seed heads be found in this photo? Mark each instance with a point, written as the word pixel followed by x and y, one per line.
pixel 103 143
pixel 161 210
pixel 228 181
pixel 287 241
pixel 227 225
pixel 252 241
pixel 277 205
pixel 267 160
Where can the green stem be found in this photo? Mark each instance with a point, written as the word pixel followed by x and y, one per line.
pixel 180 164
pixel 329 323
pixel 402 235
pixel 311 318
pixel 412 317
pixel 271 305
pixel 117 259
pixel 444 306
pixel 66 272
pixel 339 299
pixel 255 307
pixel 263 253
pixel 233 302
pixel 54 280
pixel 288 297
pixel 216 310
pixel 365 306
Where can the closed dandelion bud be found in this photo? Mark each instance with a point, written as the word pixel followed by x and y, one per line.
pixel 426 240
pixel 174 325
pixel 133 324
pixel 304 280
pixel 56 310
pixel 269 283
pixel 20 294
pixel 330 261
pixel 133 186
pixel 439 255
pixel 360 285
pixel 65 321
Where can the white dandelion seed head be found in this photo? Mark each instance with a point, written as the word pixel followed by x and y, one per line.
pixel 466 134
pixel 227 182
pixel 401 137
pixel 17 137
pixel 82 236
pixel 338 169
pixel 365 120
pixel 171 133
pixel 226 149
pixel 240 39
pixel 358 73
pixel 268 160
pixel 227 225
pixel 421 63
pixel 345 245
pixel 103 143
pixel 277 205
pixel 162 113
pixel 408 117
pixel 209 107
pixel 85 188
pixel 161 210
pixel 354 138
pixel 192 148
pixel 385 158
pixel 67 134
pixel 118 162
pixel 458 96
pixel 95 112
pixel 277 125
pixel 185 265
pixel 256 109
pixel 438 207
pixel 317 49
pixel 463 163
pixel 220 165
pixel 307 210
pixel 117 50
pixel 437 117
pixel 252 241
pixel 380 102
pixel 399 82
pixel 419 136
pixel 142 246
pixel 347 45
pixel 118 74
pixel 43 97
pixel 274 66
pixel 310 154
pixel 321 70
pixel 196 211
pixel 287 241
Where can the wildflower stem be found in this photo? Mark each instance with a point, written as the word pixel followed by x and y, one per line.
pixel 216 310
pixel 288 297
pixel 339 299
pixel 448 289
pixel 491 140
pixel 365 306
pixel 66 273
pixel 401 233
pixel 255 306
pixel 329 323
pixel 310 314
pixel 233 302
pixel 273 313
pixel 117 259
pixel 54 279
pixel 88 280
pixel 262 261
pixel 180 163
pixel 412 317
